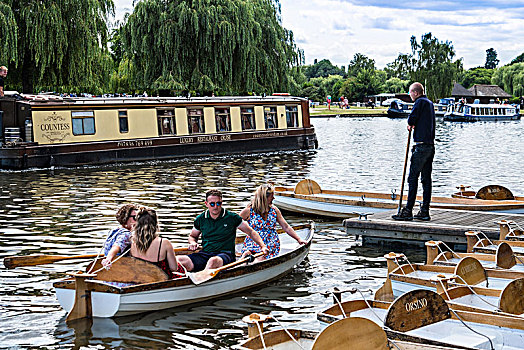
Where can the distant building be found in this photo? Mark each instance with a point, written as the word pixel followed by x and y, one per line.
pixel 484 93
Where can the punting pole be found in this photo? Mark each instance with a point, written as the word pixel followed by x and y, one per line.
pixel 404 173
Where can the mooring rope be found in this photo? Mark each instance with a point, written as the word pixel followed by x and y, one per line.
pixel 94 261
pixel 289 334
pixel 369 306
pixel 486 237
pixel 339 304
pixel 109 266
pixel 261 335
pixel 405 258
pixel 451 250
pixel 471 329
pixel 471 289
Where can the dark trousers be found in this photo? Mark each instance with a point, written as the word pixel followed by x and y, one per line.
pixel 421 164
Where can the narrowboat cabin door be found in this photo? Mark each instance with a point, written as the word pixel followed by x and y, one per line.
pixel 44 131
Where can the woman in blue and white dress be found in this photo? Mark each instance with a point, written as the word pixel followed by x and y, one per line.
pixel 263 216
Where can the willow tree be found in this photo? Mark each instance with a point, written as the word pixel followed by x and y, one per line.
pixel 229 46
pixel 55 43
pixel 430 63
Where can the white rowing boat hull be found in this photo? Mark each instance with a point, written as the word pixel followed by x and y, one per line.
pixel 313 207
pixel 121 303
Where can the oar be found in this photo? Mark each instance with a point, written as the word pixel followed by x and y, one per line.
pixel 206 275
pixel 11 262
pixel 404 174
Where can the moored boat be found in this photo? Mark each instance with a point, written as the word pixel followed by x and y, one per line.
pixel 504 257
pixel 308 198
pixel 133 286
pixel 399 109
pixel 423 316
pixel 469 271
pixel 470 112
pixel 354 333
pixel 479 243
pixel 78 131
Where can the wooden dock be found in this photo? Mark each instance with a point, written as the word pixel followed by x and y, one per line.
pixel 446 225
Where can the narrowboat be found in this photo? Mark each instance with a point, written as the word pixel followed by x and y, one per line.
pixel 465 112
pixel 43 131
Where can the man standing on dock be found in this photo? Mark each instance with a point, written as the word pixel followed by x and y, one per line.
pixel 422 121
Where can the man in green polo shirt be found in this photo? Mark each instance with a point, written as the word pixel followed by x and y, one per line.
pixel 218 227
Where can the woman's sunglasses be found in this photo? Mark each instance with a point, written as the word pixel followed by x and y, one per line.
pixel 212 204
pixel 133 217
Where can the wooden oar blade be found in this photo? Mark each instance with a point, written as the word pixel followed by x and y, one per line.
pixel 202 276
pixel 11 262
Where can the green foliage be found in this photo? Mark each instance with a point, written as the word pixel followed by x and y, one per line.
pixel 233 46
pixel 518 59
pixel 359 63
pixel 8 34
pixel 317 89
pixel 324 68
pixel 430 63
pixel 491 59
pixel 56 43
pixel 510 78
pixel 477 75
pixel 396 85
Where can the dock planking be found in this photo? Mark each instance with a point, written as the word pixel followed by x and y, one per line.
pixel 446 225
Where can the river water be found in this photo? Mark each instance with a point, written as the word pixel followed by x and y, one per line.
pixel 68 211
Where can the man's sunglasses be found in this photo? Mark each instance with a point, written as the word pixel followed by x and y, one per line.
pixel 212 204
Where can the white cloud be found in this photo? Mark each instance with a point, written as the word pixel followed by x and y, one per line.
pixel 381 29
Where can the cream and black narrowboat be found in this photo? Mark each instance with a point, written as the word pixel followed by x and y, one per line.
pixel 44 131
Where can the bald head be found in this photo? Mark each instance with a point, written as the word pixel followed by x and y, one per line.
pixel 3 71
pixel 416 90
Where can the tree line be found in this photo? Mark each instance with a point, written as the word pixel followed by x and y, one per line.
pixel 221 47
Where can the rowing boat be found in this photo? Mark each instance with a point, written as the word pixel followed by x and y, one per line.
pixel 308 198
pixel 509 302
pixel 477 244
pixel 469 271
pixel 504 257
pixel 354 333
pixel 423 316
pixel 133 286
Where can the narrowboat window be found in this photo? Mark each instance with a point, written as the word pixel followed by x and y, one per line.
pixel 466 110
pixel 122 122
pixel 292 116
pixel 83 123
pixel 270 117
pixel 222 119
pixel 195 120
pixel 248 118
pixel 166 122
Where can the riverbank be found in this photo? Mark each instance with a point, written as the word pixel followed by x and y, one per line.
pixel 324 112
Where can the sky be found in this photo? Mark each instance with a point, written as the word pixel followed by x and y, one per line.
pixel 381 29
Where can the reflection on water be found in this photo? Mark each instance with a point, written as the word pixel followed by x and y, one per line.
pixel 68 211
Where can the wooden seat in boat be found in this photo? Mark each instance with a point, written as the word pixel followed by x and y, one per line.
pixel 130 270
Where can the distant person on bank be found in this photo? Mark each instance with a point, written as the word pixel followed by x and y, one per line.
pixel 218 227
pixel 118 239
pixel 3 74
pixel 422 121
pixel 263 216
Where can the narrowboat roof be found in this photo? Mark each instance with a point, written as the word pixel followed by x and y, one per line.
pixel 47 100
pixel 490 105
